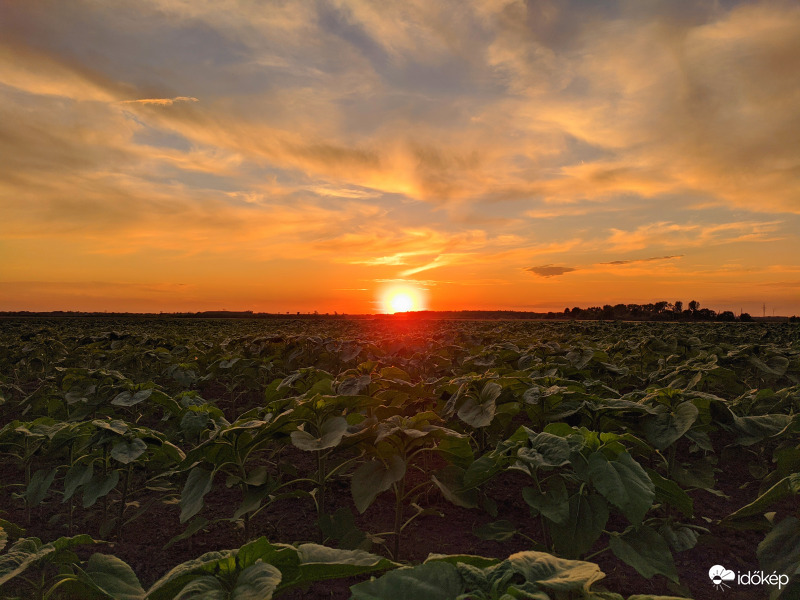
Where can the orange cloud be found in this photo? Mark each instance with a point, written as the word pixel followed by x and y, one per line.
pixel 641 260
pixel 666 234
pixel 160 101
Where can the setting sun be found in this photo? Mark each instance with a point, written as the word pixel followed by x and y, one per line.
pixel 401 303
pixel 401 299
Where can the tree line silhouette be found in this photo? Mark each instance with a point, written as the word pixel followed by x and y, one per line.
pixel 657 311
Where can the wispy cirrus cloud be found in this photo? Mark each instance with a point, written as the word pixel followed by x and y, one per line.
pixel 160 101
pixel 441 260
pixel 400 258
pixel 641 260
pixel 667 234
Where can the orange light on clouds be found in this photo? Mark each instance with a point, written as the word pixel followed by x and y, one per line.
pixel 402 298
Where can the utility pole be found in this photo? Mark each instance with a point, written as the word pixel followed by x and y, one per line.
pixel 764 310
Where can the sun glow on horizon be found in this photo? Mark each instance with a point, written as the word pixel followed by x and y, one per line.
pixel 401 303
pixel 401 299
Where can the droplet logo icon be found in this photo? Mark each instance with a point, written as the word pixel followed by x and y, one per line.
pixel 719 575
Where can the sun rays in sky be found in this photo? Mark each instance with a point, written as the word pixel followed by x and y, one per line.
pixel 171 155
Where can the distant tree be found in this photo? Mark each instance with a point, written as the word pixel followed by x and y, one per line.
pixel 745 318
pixel 706 314
pixel 726 315
pixel 660 307
pixel 678 306
pixel 694 305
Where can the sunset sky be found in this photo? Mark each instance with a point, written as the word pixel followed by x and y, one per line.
pixel 173 155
